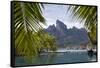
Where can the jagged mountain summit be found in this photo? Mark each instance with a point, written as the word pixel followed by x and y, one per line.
pixel 65 36
pixel 61 26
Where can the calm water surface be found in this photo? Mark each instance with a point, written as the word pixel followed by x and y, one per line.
pixel 54 58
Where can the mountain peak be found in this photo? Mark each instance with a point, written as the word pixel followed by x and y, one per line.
pixel 60 25
pixel 59 22
pixel 51 27
pixel 67 37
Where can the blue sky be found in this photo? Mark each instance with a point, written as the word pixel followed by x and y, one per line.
pixel 52 12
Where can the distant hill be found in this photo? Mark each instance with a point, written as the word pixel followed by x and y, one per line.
pixel 67 37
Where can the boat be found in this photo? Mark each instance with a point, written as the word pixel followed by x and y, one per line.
pixel 90 52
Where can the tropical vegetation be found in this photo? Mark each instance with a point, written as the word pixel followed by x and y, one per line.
pixel 29 35
pixel 87 15
pixel 31 39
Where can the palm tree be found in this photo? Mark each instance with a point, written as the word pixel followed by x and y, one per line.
pixel 45 41
pixel 30 38
pixel 88 16
pixel 27 20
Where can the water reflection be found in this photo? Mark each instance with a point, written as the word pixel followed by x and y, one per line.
pixel 54 58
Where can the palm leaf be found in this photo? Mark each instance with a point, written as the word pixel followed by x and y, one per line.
pixel 27 20
pixel 88 16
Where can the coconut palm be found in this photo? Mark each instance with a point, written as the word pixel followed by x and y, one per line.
pixel 44 41
pixel 88 16
pixel 27 20
pixel 30 39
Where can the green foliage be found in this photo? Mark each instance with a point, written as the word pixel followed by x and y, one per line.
pixel 88 16
pixel 44 41
pixel 30 40
pixel 27 19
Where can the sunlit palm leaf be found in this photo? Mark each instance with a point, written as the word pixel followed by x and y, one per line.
pixel 27 20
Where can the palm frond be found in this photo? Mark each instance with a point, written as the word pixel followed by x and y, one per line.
pixel 30 38
pixel 86 15
pixel 27 20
